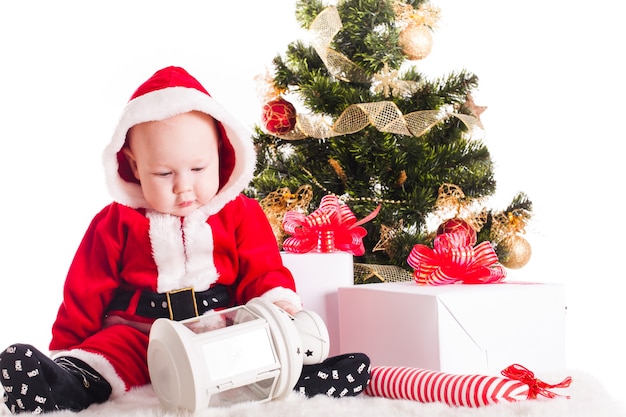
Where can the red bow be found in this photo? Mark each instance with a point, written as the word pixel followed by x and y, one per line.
pixel 453 260
pixel 535 385
pixel 331 227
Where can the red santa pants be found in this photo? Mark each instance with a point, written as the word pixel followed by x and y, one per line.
pixel 126 348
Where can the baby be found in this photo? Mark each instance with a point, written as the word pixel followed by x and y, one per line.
pixel 178 240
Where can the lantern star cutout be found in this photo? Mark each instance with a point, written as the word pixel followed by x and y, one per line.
pixel 309 352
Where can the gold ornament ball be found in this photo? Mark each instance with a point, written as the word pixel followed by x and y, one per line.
pixel 416 41
pixel 518 253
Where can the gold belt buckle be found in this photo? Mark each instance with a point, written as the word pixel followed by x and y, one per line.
pixel 182 304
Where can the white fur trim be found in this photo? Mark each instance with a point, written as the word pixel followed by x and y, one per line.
pixel 200 266
pixel 165 103
pixel 101 365
pixel 282 294
pixel 183 253
pixel 166 238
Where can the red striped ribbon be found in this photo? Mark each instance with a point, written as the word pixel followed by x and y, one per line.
pixel 331 227
pixel 452 261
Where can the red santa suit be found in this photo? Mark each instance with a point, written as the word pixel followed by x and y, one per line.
pixel 134 259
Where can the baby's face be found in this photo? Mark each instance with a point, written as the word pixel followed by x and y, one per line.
pixel 176 161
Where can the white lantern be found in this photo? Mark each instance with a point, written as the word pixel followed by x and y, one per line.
pixel 253 352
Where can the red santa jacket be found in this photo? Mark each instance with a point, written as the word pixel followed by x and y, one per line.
pixel 238 249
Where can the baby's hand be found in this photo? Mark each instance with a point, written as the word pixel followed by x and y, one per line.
pixel 290 308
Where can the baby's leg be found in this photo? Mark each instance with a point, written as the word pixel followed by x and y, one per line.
pixel 35 383
pixel 118 352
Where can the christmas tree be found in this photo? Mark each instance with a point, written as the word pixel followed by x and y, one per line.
pixel 374 131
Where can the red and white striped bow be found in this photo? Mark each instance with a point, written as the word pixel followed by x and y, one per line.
pixel 452 261
pixel 331 227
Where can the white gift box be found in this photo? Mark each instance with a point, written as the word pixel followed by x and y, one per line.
pixel 318 276
pixel 455 328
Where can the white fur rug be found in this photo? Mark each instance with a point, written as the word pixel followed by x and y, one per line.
pixel 588 399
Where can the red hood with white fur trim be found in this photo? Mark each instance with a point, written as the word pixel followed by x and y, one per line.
pixel 169 92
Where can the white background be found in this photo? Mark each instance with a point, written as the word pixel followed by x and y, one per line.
pixel 551 73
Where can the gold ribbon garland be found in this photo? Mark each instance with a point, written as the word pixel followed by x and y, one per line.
pixel 383 115
pixel 372 273
pixel 324 28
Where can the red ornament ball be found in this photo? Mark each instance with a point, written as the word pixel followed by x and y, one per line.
pixel 458 226
pixel 279 116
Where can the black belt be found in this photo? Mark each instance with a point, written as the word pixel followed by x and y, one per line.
pixel 176 305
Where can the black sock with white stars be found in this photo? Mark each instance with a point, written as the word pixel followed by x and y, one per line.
pixel 34 383
pixel 338 376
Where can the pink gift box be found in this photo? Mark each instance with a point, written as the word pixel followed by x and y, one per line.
pixel 455 328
